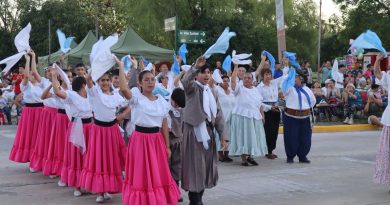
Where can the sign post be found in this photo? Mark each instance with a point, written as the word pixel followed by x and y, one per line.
pixel 171 24
pixel 192 37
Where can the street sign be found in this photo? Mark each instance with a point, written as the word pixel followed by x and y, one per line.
pixel 192 37
pixel 170 24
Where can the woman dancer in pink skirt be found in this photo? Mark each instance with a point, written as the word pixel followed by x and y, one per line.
pixel 105 156
pixel 382 165
pixel 78 132
pixel 27 130
pixel 148 179
pixel 45 126
pixel 53 164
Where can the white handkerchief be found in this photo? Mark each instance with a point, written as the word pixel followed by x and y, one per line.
pixel 95 48
pixel 241 59
pixel 11 61
pixel 149 67
pixel 104 59
pixel 185 67
pixel 22 39
pixel 216 76
pixel 63 76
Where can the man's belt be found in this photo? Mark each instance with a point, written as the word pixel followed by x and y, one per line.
pixel 298 113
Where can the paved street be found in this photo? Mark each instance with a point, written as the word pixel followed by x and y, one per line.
pixel 340 173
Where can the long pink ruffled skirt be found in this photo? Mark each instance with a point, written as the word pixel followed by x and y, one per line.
pixel 104 160
pixel 73 158
pixel 26 135
pixel 148 179
pixel 382 164
pixel 41 149
pixel 55 154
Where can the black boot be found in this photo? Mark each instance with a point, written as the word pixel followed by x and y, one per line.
pixel 221 157
pixel 200 197
pixel 226 156
pixel 194 198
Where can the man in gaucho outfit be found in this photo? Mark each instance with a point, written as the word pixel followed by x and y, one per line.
pixel 201 115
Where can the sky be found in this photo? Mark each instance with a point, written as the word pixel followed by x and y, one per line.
pixel 328 8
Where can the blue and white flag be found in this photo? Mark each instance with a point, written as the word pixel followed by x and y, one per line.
pixel 227 64
pixel 289 81
pixel 368 40
pixel 182 53
pixel 127 63
pixel 271 60
pixel 292 59
pixel 221 45
pixel 175 66
pixel 64 42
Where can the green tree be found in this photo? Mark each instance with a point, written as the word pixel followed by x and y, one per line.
pixel 65 15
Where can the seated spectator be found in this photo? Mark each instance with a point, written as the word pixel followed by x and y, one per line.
pixel 349 78
pixel 359 77
pixel 326 84
pixel 368 72
pixel 353 103
pixel 4 107
pixel 333 98
pixel 362 85
pixel 374 106
pixel 320 98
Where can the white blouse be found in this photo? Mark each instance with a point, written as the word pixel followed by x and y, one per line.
pixel 76 105
pixel 148 113
pixel 31 93
pixel 248 102
pixel 292 100
pixel 270 92
pixel 104 106
pixel 385 82
pixel 54 101
pixel 226 101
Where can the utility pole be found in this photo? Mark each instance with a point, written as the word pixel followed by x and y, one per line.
pixel 97 20
pixel 49 34
pixel 281 28
pixel 319 41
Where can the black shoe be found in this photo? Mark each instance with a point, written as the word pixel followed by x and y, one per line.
pixel 252 161
pixel 194 198
pixel 305 160
pixel 226 157
pixel 245 164
pixel 200 197
pixel 290 160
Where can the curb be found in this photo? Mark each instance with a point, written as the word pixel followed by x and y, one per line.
pixel 340 128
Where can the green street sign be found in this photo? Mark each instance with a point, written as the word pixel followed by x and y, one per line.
pixel 192 37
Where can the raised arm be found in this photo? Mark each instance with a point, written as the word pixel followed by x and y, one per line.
pixel 377 69
pixel 26 70
pixel 56 86
pixel 63 64
pixel 122 80
pixel 89 80
pixel 188 80
pixel 234 77
pixel 261 65
pixel 178 78
pixel 46 93
pixel 34 66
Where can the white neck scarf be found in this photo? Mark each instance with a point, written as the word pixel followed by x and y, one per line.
pixel 209 104
pixel 210 107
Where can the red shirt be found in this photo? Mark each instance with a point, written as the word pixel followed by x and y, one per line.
pixel 18 81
